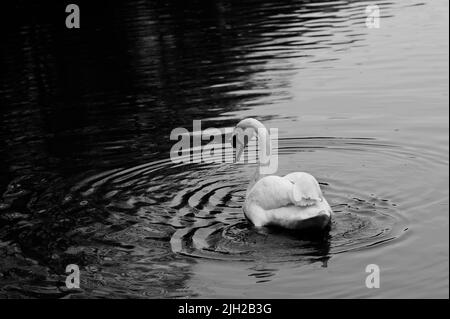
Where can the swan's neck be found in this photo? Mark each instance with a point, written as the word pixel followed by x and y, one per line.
pixel 264 150
pixel 256 177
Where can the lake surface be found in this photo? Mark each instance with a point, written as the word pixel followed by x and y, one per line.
pixel 86 177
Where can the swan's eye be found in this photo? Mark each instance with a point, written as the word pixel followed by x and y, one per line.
pixel 234 141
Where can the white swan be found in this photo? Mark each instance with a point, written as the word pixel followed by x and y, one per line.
pixel 294 201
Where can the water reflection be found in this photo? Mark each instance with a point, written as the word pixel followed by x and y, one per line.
pixel 136 70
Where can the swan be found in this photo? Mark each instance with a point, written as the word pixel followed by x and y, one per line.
pixel 294 201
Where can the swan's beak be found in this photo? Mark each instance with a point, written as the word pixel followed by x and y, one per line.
pixel 238 152
pixel 238 147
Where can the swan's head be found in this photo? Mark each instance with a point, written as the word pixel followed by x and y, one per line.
pixel 244 131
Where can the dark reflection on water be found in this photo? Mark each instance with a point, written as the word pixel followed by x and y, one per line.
pixel 84 137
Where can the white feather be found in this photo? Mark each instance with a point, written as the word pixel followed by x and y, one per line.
pixel 294 201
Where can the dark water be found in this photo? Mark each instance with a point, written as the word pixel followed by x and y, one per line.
pixel 85 173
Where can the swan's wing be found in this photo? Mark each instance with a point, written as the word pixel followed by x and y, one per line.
pixel 295 217
pixel 270 192
pixel 299 189
pixel 293 201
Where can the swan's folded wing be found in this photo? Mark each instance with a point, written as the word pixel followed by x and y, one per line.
pixel 302 198
pixel 305 189
pixel 294 217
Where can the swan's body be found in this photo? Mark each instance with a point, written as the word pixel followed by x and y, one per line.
pixel 294 201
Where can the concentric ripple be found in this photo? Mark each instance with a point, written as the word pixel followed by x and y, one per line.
pixel 197 207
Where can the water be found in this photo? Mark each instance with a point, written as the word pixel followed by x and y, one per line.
pixel 85 173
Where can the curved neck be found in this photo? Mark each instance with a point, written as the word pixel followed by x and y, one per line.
pixel 262 134
pixel 264 147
